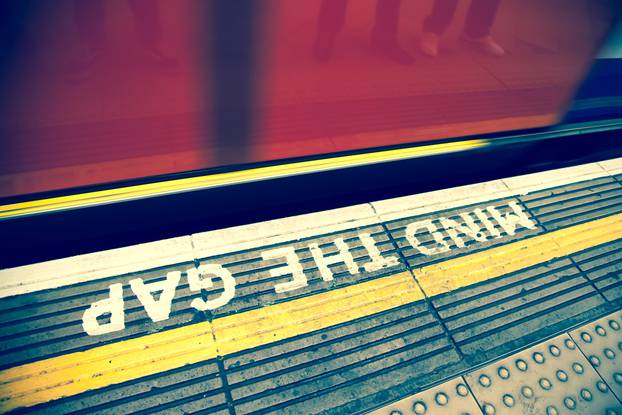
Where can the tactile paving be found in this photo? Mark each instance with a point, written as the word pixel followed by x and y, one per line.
pixel 491 232
pixel 601 342
pixel 346 368
pixel 551 378
pixel 255 282
pixel 452 397
pixel 49 323
pixel 574 203
pixel 352 338
pixel 191 389
pixel 603 266
pixel 505 314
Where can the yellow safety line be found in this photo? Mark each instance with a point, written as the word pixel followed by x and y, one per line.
pixel 67 375
pixel 221 179
pixel 265 325
pixel 74 373
pixel 471 269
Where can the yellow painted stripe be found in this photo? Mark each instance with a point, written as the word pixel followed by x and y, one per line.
pixel 265 325
pixel 67 375
pixel 589 234
pixel 460 272
pixel 74 373
pixel 221 179
pixel 463 271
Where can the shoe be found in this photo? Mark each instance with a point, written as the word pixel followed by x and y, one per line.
pixel 485 44
pixel 429 44
pixel 391 50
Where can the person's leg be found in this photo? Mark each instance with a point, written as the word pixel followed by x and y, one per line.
pixel 332 16
pixel 149 28
pixel 89 20
pixel 330 22
pixel 384 33
pixel 387 17
pixel 147 20
pixel 435 25
pixel 480 18
pixel 440 17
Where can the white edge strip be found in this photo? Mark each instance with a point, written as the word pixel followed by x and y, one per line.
pixel 613 166
pixel 281 230
pixel 88 267
pixel 422 203
pixel 553 178
pixel 97 265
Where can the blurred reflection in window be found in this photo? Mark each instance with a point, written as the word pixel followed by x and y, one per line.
pixel 384 37
pixel 98 91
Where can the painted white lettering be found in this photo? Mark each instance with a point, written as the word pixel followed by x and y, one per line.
pixel 411 231
pixel 487 223
pixel 158 310
pixel 201 278
pixel 510 221
pixel 323 261
pixel 112 305
pixel 469 228
pixel 377 260
pixel 299 279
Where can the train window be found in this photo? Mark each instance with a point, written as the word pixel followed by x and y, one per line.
pixel 97 91
pixel 600 94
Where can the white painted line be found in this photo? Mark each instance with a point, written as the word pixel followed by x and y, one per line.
pixel 281 230
pixel 553 178
pixel 420 204
pixel 67 271
pixel 437 200
pixel 97 265
pixel 613 166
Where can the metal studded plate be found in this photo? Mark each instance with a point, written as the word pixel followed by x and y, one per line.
pixel 551 378
pixel 601 342
pixel 452 397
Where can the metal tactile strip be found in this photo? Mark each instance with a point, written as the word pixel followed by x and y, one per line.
pixel 452 397
pixel 601 342
pixel 414 256
pixel 575 203
pixel 550 378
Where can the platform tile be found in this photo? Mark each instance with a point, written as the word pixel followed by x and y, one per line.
pixel 551 378
pixel 601 342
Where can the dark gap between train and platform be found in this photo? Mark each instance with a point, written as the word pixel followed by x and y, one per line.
pixel 68 233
